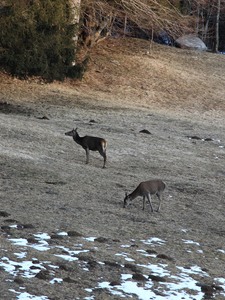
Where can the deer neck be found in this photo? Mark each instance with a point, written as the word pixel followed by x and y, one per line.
pixel 77 139
pixel 134 194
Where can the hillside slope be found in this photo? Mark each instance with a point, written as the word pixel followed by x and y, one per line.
pixel 162 77
pixel 64 232
pixel 127 73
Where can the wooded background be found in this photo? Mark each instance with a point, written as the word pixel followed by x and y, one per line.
pixel 54 38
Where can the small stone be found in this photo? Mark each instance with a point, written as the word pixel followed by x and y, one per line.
pixel 145 131
pixel 112 264
pixel 101 240
pixel 113 283
pixel 69 280
pixel 4 214
pixel 139 277
pixel 73 233
pixel 43 274
pixel 19 280
pixel 164 256
pixel 157 278
pixel 28 226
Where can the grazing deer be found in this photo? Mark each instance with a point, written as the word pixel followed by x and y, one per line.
pixel 89 143
pixel 146 189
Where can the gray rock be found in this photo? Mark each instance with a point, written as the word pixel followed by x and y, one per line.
pixel 190 42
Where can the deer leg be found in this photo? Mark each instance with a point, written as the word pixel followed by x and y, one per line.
pixel 149 201
pixel 159 197
pixel 143 208
pixel 103 154
pixel 87 155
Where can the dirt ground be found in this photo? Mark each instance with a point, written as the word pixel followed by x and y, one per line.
pixel 64 231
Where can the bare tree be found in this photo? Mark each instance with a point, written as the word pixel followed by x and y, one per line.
pixel 207 14
pixel 217 26
pixel 98 17
pixel 75 6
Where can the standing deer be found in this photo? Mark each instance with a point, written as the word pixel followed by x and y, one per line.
pixel 89 143
pixel 146 189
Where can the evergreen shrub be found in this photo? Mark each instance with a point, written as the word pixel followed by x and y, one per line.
pixel 37 38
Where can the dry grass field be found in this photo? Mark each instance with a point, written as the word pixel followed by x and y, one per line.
pixel 64 231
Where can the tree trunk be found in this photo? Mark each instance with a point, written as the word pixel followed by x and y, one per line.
pixel 217 27
pixel 75 10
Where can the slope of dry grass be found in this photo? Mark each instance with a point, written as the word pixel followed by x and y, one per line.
pixel 132 73
pixel 50 198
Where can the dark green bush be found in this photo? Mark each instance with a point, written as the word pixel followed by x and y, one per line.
pixel 37 38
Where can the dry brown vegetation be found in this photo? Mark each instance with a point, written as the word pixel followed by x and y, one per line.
pixel 46 186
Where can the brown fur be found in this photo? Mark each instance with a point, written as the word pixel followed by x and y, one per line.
pixel 90 143
pixel 146 189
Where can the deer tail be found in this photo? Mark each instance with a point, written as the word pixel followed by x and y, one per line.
pixel 104 145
